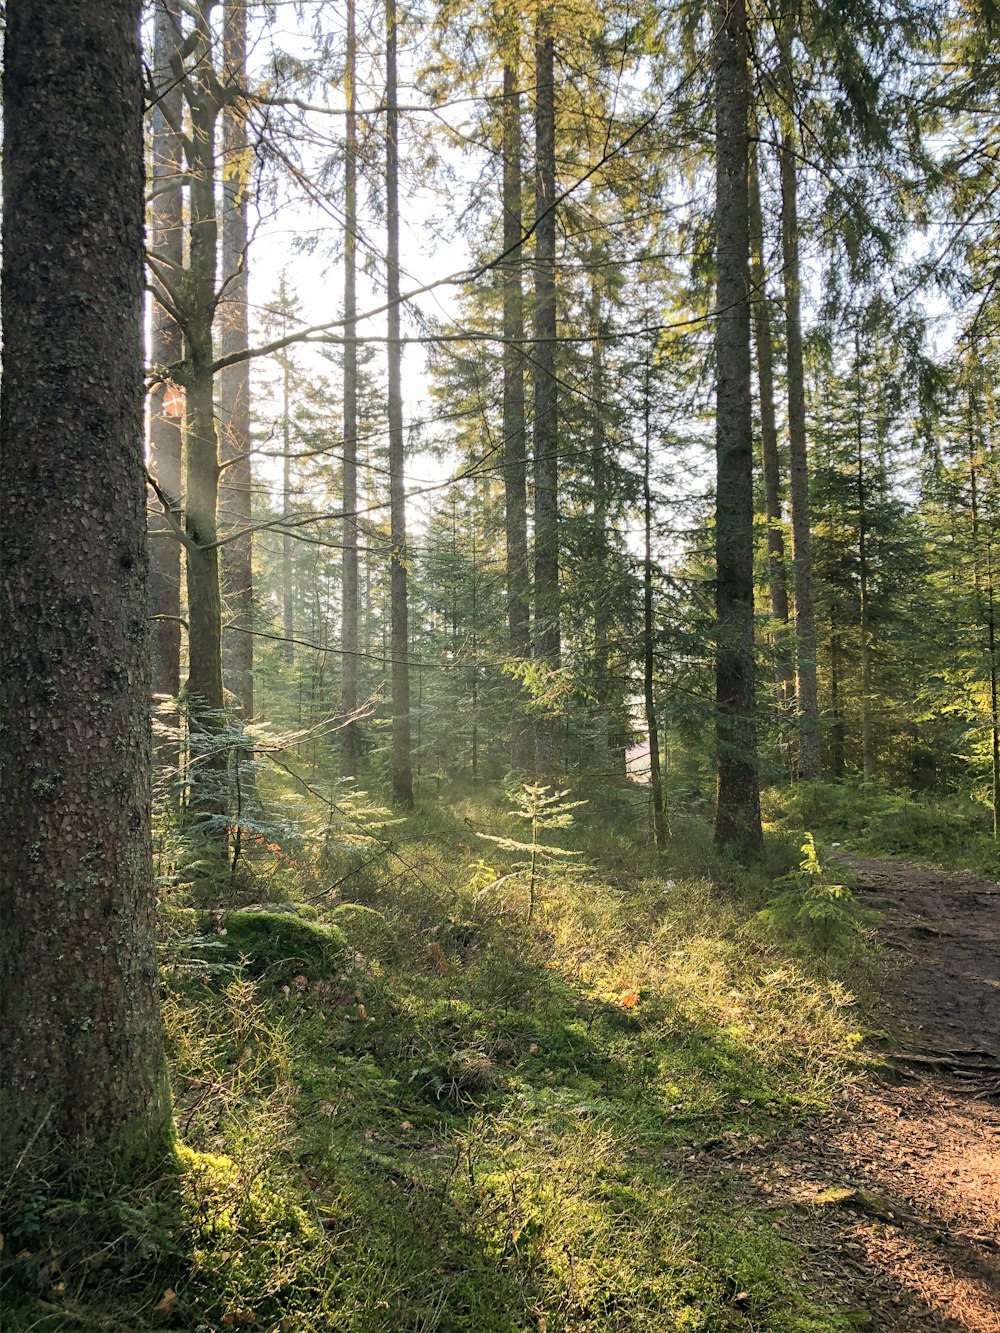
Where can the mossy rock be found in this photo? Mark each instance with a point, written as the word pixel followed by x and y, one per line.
pixel 366 930
pixel 280 945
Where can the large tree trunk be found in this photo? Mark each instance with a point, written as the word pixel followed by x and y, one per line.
pixel 547 636
pixel 349 609
pixel 402 774
pixel 234 382
pixel 84 1083
pixel 737 817
pixel 166 244
pixel 206 700
pixel 805 618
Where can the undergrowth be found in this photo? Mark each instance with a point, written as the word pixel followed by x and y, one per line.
pixel 466 1121
pixel 871 819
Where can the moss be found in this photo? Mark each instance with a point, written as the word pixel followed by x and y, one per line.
pixel 366 930
pixel 278 945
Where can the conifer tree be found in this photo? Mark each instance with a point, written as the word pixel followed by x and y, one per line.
pixel 85 1095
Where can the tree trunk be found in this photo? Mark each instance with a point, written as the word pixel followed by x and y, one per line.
pixel 349 609
pixel 864 632
pixel 515 472
pixel 402 773
pixel 547 636
pixel 287 564
pixel 166 242
pixel 648 641
pixel 234 382
pixel 770 464
pixel 85 1093
pixel 737 816
pixel 805 619
pixel 206 700
pixel 837 737
pixel 986 606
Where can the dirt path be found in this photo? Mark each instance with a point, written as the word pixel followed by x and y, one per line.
pixel 943 929
pixel 897 1198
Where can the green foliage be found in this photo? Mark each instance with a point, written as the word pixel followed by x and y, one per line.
pixel 543 808
pixel 479 1116
pixel 825 911
pixel 874 820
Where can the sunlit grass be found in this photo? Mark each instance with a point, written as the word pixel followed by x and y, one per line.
pixel 475 1123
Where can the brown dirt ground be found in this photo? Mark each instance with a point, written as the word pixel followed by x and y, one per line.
pixel 897 1195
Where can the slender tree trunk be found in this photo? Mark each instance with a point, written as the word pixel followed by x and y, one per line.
pixel 864 633
pixel 986 605
pixel 546 444
pixel 837 738
pixel 234 382
pixel 206 700
pixel 515 472
pixel 85 1096
pixel 737 816
pixel 166 241
pixel 514 443
pixel 649 638
pixel 802 573
pixel 402 773
pixel 770 463
pixel 349 608
pixel 287 562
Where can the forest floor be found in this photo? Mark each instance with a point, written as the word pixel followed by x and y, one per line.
pixel 652 1107
pixel 895 1197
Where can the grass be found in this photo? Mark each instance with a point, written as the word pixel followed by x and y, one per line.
pixel 466 1122
pixel 952 831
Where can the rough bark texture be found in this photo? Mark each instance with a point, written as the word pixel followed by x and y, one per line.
pixel 83 1071
pixel 402 773
pixel 349 611
pixel 805 619
pixel 165 241
pixel 547 636
pixel 234 381
pixel 737 821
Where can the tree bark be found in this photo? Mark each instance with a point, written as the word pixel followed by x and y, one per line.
pixel 234 381
pixel 287 564
pixel 206 699
pixel 737 816
pixel 649 638
pixel 85 1096
pixel 546 462
pixel 515 470
pixel 402 773
pixel 514 438
pixel 805 620
pixel 864 630
pixel 349 611
pixel 166 242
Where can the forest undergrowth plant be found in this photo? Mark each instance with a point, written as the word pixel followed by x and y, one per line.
pixel 814 903
pixel 543 808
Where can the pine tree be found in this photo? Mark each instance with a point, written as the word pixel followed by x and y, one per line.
pixel 737 817
pixel 85 1094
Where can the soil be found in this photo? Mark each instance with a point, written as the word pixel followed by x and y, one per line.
pixel 896 1197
